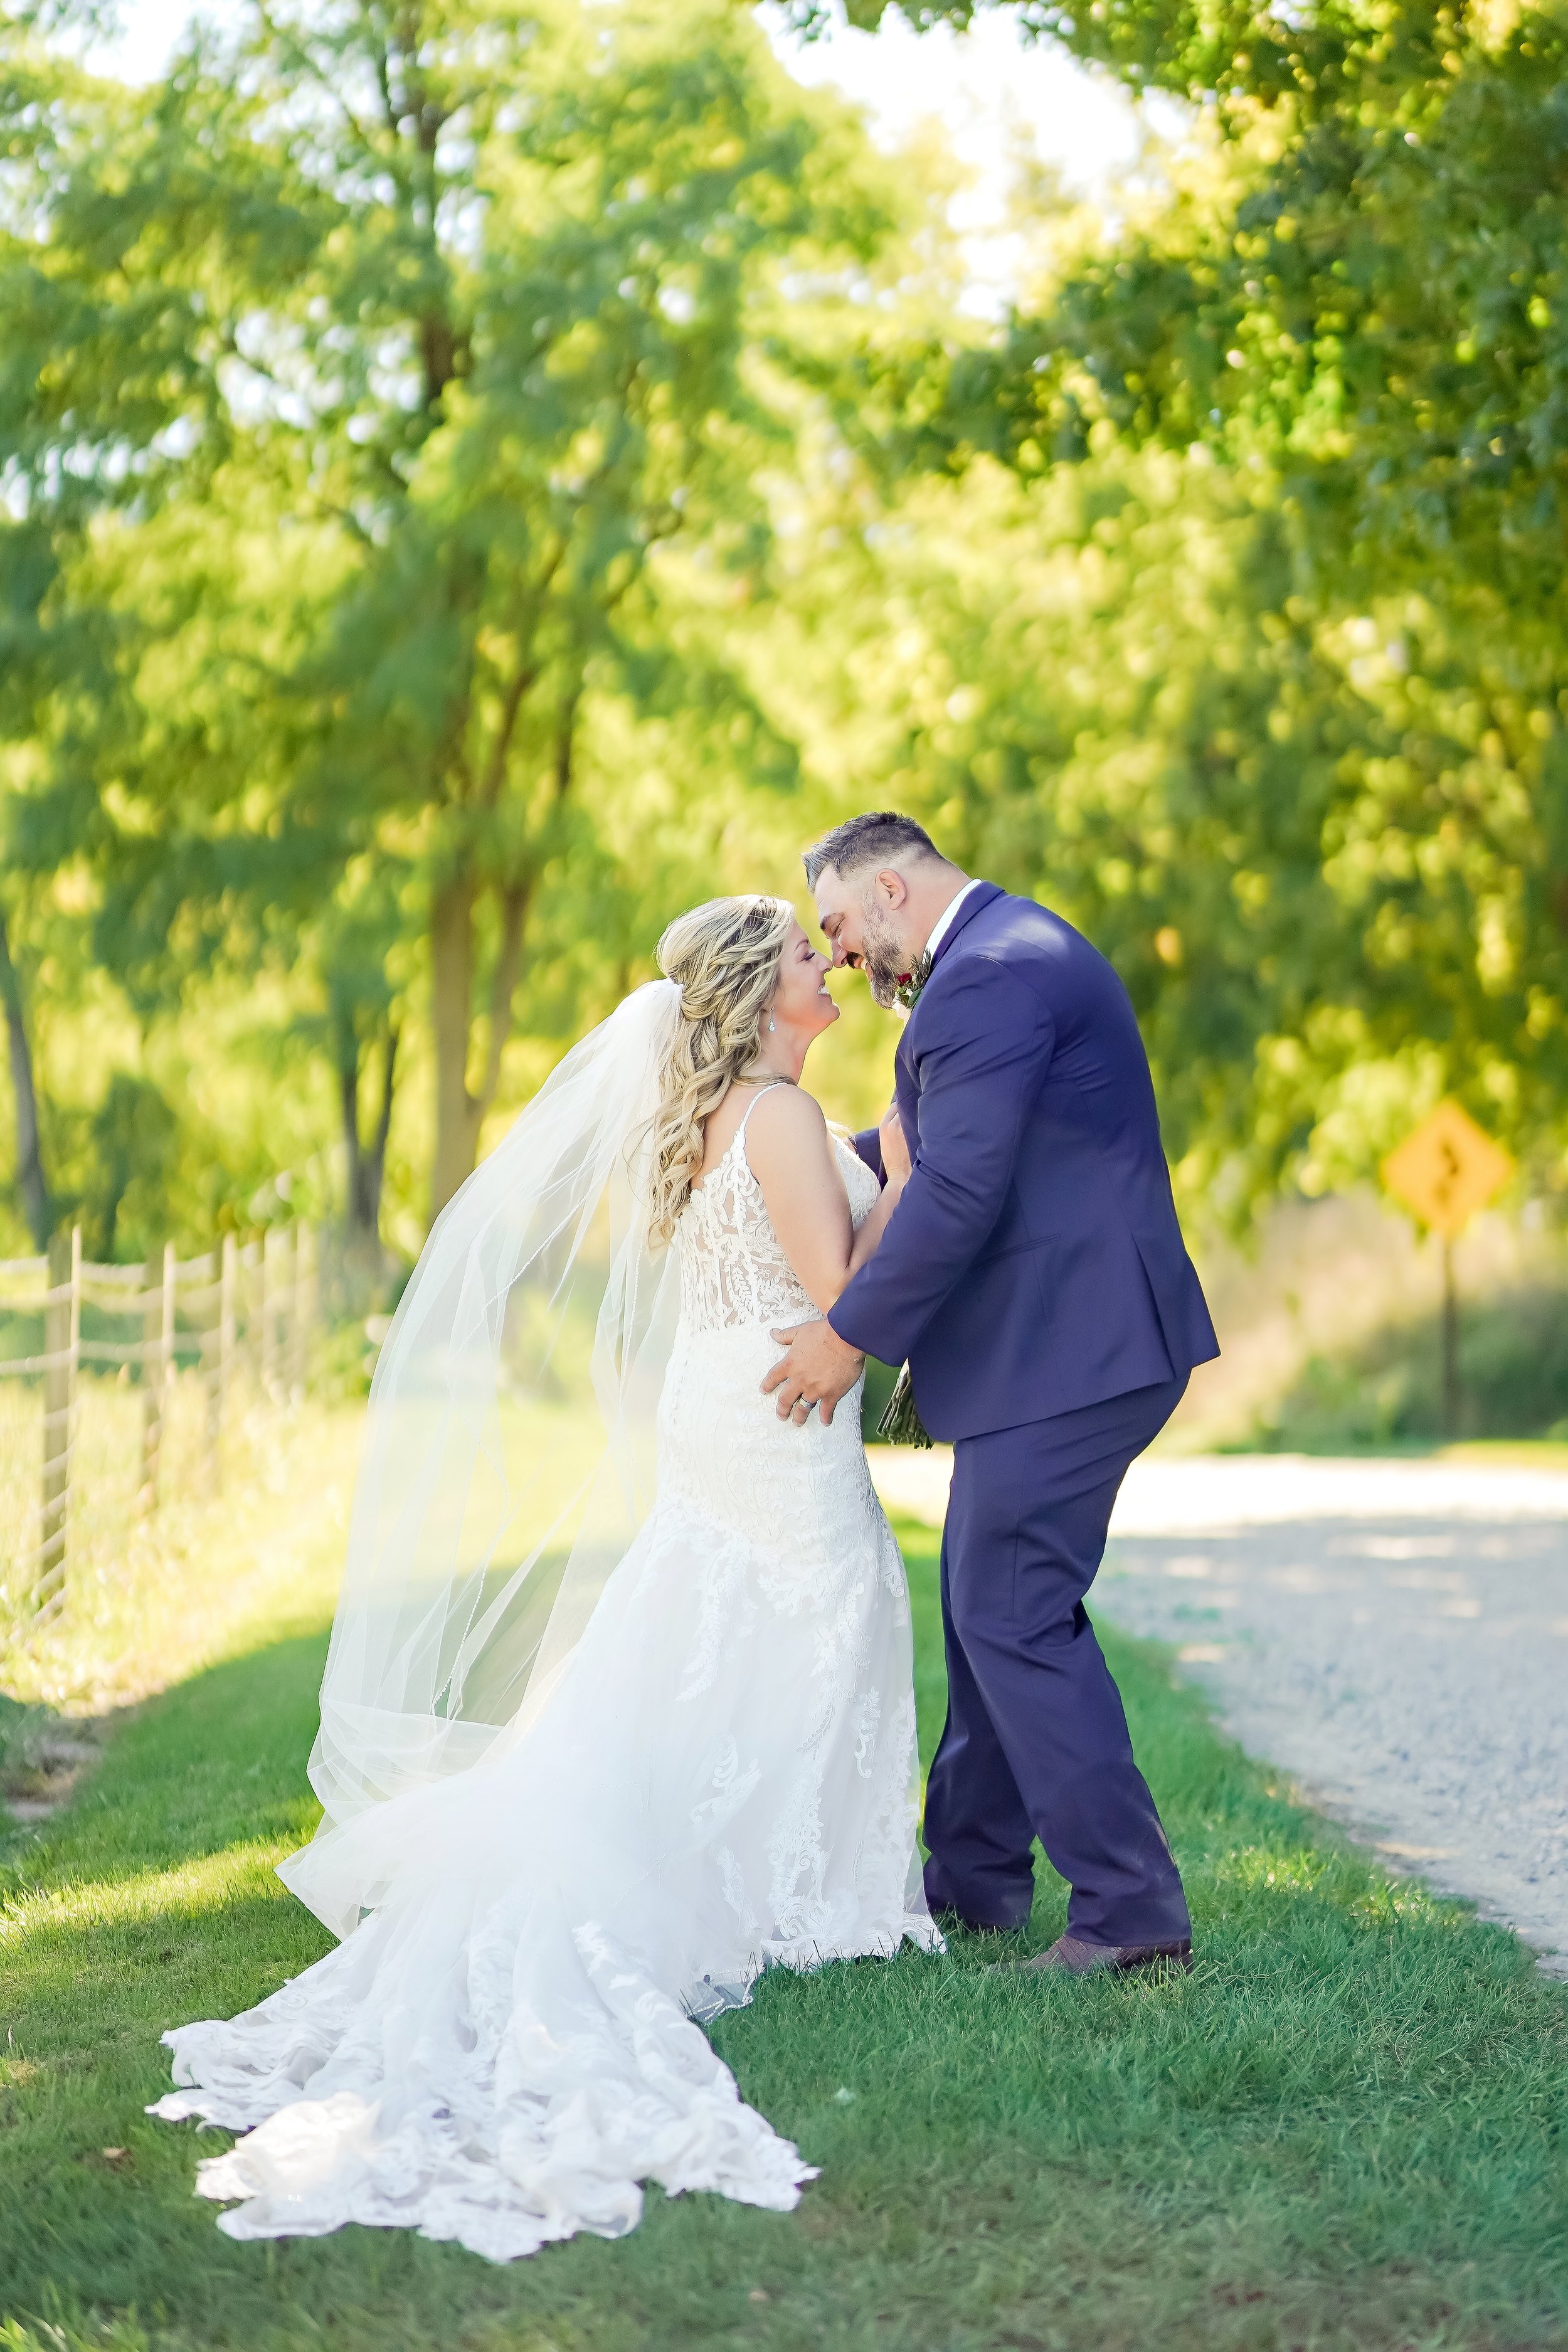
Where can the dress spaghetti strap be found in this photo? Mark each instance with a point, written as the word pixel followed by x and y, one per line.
pixel 737 1142
pixel 771 1088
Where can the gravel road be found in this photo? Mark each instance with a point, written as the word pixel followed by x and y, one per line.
pixel 1395 1634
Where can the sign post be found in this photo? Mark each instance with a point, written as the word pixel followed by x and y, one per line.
pixel 1443 1173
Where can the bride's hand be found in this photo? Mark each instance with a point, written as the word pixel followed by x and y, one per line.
pixel 896 1161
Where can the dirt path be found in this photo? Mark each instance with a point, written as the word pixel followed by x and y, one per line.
pixel 1393 1633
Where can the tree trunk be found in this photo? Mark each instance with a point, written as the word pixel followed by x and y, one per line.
pixel 366 1161
pixel 35 1194
pixel 374 1164
pixel 458 1116
pixel 347 1059
pixel 459 1110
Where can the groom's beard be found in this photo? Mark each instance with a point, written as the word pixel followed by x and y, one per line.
pixel 884 958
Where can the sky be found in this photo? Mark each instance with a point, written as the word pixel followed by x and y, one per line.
pixel 979 84
pixel 984 84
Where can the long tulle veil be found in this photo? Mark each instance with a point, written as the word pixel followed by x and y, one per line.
pixel 508 1459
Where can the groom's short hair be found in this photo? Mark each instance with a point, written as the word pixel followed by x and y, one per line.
pixel 882 837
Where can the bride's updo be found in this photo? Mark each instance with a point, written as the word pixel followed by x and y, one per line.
pixel 726 957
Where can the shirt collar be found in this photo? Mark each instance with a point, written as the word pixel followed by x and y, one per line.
pixel 943 923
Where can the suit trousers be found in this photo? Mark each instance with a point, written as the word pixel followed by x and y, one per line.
pixel 1036 1742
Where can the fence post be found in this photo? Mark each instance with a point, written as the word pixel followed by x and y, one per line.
pixel 284 1291
pixel 157 1365
pixel 169 1300
pixel 269 1320
pixel 246 1349
pixel 151 1430
pixel 304 1306
pixel 222 1372
pixel 63 1342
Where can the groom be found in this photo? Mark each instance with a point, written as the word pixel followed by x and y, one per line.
pixel 1035 1277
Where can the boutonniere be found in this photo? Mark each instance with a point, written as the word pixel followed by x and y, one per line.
pixel 908 986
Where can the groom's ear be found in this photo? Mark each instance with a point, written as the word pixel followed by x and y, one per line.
pixel 891 888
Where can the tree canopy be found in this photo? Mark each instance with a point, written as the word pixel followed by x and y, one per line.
pixel 1344 319
pixel 479 479
pixel 390 401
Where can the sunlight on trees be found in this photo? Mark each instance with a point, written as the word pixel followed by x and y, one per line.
pixel 477 481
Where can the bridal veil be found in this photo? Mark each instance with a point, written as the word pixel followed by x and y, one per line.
pixel 509 1455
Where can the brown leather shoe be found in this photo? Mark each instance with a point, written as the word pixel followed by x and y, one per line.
pixel 1070 1956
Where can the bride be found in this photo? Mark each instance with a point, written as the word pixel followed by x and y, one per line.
pixel 618 1707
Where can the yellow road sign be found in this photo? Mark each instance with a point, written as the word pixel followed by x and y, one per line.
pixel 1447 1171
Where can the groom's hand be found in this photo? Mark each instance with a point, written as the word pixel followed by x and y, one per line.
pixel 818 1368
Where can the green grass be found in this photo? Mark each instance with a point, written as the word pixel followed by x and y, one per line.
pixel 1509 1453
pixel 1345 2130
pixel 1479 1451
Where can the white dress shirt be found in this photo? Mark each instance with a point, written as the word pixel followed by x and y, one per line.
pixel 943 923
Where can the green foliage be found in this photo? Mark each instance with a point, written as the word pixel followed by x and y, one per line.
pixel 1346 309
pixel 132 1132
pixel 388 409
pixel 1513 1375
pixel 1353 309
pixel 476 481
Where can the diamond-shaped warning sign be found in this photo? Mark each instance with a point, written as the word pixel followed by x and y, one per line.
pixel 1447 1169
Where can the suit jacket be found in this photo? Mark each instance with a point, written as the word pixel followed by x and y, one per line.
pixel 1035 1263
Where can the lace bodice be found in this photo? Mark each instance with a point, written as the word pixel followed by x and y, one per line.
pixel 733 1270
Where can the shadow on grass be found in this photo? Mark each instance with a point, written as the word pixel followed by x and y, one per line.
pixel 1343 2131
pixel 214 1761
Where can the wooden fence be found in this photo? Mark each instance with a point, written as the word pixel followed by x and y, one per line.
pixel 246 1308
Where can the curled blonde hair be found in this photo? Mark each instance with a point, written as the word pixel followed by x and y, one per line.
pixel 726 957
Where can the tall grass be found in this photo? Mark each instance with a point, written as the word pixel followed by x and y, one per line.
pixel 1387 1390
pixel 149 1594
pixel 1329 1324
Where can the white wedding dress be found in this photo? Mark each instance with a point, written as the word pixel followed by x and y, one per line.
pixel 723 1779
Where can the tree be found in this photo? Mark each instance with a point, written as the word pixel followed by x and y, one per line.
pixel 356 944
pixel 484 316
pixel 31 1184
pixel 1349 306
pixel 574 396
pixel 133 1135
pixel 110 413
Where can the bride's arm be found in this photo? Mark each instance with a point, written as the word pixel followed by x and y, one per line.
pixel 895 1176
pixel 792 1157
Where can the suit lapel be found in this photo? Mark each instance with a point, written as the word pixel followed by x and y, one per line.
pixel 985 896
pixel 903 1065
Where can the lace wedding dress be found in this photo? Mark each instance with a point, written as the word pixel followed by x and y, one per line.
pixel 724 1779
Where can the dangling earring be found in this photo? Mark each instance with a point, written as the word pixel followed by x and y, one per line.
pixel 773 1024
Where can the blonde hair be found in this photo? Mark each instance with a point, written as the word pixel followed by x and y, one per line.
pixel 726 957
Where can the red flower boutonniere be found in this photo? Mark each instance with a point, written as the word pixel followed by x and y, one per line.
pixel 908 986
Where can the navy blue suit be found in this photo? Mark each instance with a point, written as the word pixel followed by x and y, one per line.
pixel 1036 1279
